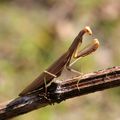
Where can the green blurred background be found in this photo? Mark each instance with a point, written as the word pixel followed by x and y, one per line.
pixel 34 33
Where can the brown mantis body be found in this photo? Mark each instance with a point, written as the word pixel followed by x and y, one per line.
pixel 57 67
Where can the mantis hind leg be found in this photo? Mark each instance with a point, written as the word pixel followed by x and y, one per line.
pixel 51 74
pixel 45 87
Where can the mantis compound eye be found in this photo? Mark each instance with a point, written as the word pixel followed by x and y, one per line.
pixel 88 30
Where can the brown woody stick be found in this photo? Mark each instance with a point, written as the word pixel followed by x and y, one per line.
pixel 57 92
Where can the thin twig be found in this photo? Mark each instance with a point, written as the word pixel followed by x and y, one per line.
pixel 59 91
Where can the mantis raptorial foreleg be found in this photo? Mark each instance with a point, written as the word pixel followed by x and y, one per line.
pixel 88 49
pixel 84 52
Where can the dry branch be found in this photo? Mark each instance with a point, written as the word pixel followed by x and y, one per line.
pixel 59 91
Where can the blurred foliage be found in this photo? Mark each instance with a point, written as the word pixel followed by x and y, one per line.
pixel 34 33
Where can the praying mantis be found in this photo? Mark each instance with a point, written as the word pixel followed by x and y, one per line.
pixel 57 67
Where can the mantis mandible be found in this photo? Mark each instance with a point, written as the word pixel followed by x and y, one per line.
pixel 57 67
